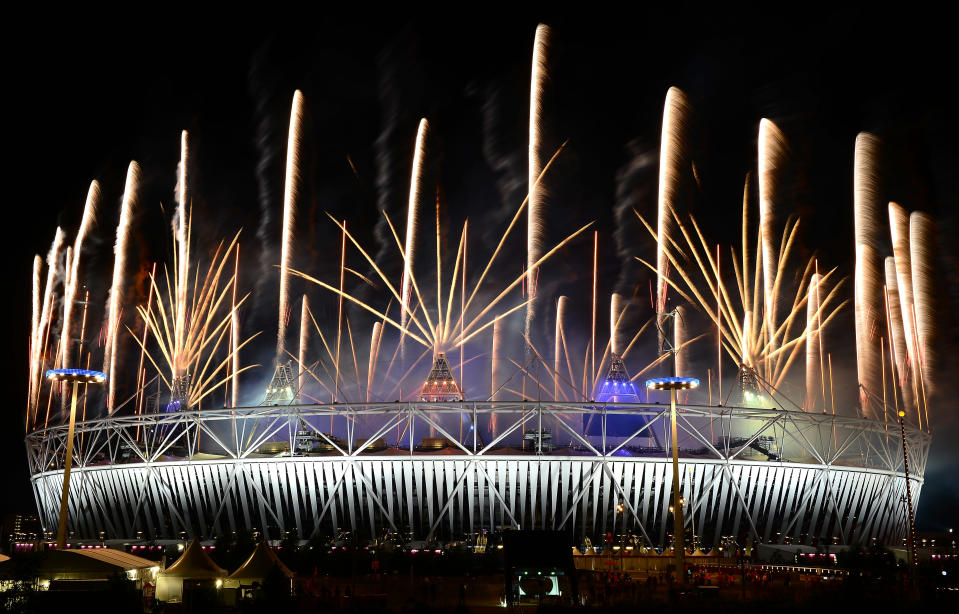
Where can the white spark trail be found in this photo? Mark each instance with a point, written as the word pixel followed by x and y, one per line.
pixel 291 192
pixel 118 285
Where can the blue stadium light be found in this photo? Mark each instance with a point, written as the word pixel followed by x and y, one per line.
pixel 81 376
pixel 672 383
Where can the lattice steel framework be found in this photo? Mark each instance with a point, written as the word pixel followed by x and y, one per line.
pixel 767 474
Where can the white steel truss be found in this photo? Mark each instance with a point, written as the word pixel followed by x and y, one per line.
pixel 766 474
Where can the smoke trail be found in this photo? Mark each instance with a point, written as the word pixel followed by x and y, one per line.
pixel 616 307
pixel 922 244
pixel 869 320
pixel 772 159
pixel 899 343
pixel 635 189
pixel 39 343
pixel 72 278
pixel 672 163
pixel 561 304
pixel 537 194
pixel 119 278
pixel 290 195
pixel 814 379
pixel 496 362
pixel 412 217
pixel 304 339
pixel 899 231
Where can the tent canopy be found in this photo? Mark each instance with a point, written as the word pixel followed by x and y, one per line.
pixel 260 563
pixel 194 563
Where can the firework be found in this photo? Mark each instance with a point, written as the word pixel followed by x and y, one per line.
pixel 496 353
pixel 814 378
pixel 672 164
pixel 868 285
pixel 537 196
pixel 896 327
pixel 867 202
pixel 291 192
pixel 35 327
pixel 412 218
pixel 71 284
pixel 117 287
pixel 304 339
pixel 899 233
pixel 922 255
pixel 561 304
pixel 772 158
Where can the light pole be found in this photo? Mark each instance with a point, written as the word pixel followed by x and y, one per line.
pixel 905 464
pixel 672 384
pixel 77 376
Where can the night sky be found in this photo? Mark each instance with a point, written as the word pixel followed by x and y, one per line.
pixel 84 99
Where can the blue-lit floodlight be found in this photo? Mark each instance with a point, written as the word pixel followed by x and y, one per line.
pixel 672 383
pixel 76 377
pixel 81 376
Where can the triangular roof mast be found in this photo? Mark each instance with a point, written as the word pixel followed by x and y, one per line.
pixel 617 386
pixel 440 385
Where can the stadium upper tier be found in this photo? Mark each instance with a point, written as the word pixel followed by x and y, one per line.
pixel 442 470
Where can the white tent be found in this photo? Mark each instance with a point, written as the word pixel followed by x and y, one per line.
pixel 194 564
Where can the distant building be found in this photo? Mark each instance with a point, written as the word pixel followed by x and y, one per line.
pixel 19 529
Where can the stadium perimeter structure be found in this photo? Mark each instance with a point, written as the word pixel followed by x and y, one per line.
pixel 765 474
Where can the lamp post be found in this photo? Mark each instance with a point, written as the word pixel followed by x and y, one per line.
pixel 77 376
pixel 905 464
pixel 672 384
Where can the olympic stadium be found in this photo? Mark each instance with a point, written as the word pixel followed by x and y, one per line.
pixel 367 427
pixel 762 473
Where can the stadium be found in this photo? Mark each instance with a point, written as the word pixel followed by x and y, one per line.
pixel 765 474
pixel 380 435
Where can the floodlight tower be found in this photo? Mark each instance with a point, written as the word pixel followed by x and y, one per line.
pixel 77 376
pixel 672 384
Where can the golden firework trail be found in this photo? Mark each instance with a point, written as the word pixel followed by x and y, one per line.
pixel 46 313
pixel 744 332
pixel 118 286
pixel 34 329
pixel 899 233
pixel 869 283
pixel 867 200
pixel 673 161
pixel 291 192
pixel 412 219
pixel 207 324
pixel 922 256
pixel 558 342
pixel 773 151
pixel 304 340
pixel 235 353
pixel 181 233
pixel 814 379
pixel 535 214
pixel 896 327
pixel 867 206
pixel 375 338
pixel 71 286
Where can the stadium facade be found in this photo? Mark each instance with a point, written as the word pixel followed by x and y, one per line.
pixel 445 470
